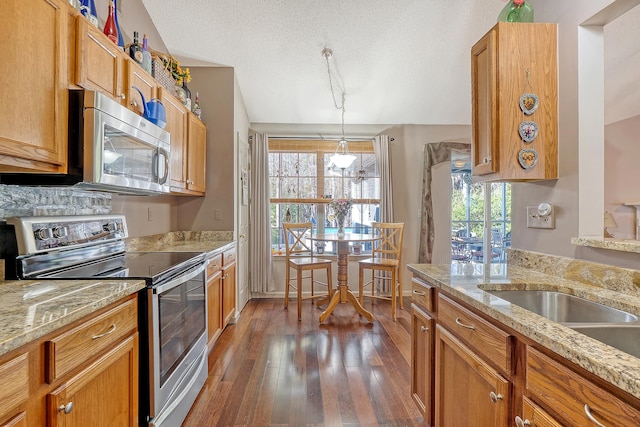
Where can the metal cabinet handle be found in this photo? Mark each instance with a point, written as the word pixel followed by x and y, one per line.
pixel 66 408
pixel 419 293
pixel 459 323
pixel 424 328
pixel 111 329
pixel 122 96
pixel 242 236
pixel 522 423
pixel 134 104
pixel 587 411
pixel 495 397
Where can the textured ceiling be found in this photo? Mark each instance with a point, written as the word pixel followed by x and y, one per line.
pixel 399 61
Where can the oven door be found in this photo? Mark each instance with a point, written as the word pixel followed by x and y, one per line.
pixel 177 359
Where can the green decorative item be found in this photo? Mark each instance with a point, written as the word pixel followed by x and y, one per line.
pixel 516 11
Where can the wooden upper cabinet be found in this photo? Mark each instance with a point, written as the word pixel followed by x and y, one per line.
pixel 513 60
pixel 136 76
pixel 177 127
pixel 196 155
pixel 99 62
pixel 35 65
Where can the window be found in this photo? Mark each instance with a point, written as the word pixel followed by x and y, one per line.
pixel 303 180
pixel 467 218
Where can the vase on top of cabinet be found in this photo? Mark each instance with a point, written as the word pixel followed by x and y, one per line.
pixel 514 95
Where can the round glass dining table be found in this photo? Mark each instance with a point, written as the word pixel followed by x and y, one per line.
pixel 342 293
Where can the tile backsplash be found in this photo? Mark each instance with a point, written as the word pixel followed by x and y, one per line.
pixel 49 201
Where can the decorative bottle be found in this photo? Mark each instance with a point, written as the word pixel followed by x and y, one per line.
pixel 115 18
pixel 135 51
pixel 110 29
pixel 187 94
pixel 146 55
pixel 88 9
pixel 516 11
pixel 196 107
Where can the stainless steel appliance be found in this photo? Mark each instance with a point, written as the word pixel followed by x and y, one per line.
pixel 172 323
pixel 110 148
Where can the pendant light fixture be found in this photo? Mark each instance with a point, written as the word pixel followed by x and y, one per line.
pixel 342 158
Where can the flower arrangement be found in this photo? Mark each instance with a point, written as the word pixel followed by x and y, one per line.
pixel 177 72
pixel 341 207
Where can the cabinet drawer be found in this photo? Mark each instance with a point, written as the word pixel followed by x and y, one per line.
pixel 422 294
pixel 215 264
pixel 73 348
pixel 486 339
pixel 559 388
pixel 15 383
pixel 229 256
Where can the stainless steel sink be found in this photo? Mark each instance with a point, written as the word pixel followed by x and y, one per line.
pixel 564 308
pixel 623 337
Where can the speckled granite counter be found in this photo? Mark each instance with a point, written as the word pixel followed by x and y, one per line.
pixel 30 309
pixel 528 270
pixel 182 241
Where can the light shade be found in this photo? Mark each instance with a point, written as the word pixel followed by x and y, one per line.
pixel 342 158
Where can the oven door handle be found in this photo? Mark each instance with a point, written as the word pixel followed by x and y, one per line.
pixel 177 281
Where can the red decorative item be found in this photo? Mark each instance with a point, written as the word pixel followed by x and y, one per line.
pixel 110 28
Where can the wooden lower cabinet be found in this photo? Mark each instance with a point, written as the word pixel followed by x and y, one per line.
pixel 422 361
pixel 534 416
pixel 101 394
pixel 573 398
pixel 99 388
pixel 228 293
pixel 214 300
pixel 468 391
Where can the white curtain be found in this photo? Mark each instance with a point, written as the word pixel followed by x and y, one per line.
pixel 261 265
pixel 382 152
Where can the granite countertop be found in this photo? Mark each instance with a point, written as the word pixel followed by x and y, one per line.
pixel 610 364
pixel 30 309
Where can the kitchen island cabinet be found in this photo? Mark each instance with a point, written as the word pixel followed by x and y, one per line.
pixel 499 364
pixel 69 353
pixel 228 285
pixel 422 350
pixel 33 113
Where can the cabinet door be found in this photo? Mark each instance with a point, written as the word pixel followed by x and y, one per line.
pixel 534 416
pixel 214 308
pixel 19 420
pixel 197 152
pixel 422 362
pixel 468 392
pixel 138 77
pixel 177 127
pixel 99 62
pixel 34 107
pixel 484 102
pixel 104 393
pixel 228 293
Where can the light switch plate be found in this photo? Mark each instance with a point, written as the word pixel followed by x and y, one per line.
pixel 535 220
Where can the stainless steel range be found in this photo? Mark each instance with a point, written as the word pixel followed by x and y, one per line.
pixel 172 322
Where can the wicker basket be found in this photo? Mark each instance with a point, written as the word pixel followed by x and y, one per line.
pixel 162 75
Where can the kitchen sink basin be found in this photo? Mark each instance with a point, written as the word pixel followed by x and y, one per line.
pixel 623 337
pixel 564 308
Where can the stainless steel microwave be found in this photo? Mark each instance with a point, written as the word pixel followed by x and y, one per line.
pixel 111 148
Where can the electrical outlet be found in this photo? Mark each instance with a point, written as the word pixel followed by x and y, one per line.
pixel 149 216
pixel 218 213
pixel 536 220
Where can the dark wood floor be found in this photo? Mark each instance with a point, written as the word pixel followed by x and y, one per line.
pixel 271 370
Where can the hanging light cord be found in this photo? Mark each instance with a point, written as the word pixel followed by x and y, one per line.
pixel 327 53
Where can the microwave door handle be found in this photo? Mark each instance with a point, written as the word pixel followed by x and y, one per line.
pixel 165 176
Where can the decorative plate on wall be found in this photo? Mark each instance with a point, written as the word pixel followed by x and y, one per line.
pixel 528 157
pixel 528 131
pixel 529 103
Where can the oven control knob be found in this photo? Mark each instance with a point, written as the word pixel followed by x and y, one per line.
pixel 43 234
pixel 60 231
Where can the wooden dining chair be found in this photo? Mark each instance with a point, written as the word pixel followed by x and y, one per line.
pixel 385 264
pixel 300 257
